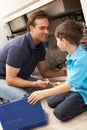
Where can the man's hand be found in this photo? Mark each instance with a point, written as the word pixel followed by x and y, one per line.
pixel 42 83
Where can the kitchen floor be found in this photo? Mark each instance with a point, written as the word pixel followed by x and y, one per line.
pixel 77 123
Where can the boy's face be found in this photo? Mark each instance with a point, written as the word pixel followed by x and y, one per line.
pixel 61 44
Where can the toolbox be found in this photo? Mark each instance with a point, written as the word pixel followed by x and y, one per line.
pixel 20 115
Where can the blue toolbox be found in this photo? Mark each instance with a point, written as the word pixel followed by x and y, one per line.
pixel 20 115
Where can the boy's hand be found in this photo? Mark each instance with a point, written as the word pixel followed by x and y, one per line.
pixel 56 84
pixel 35 96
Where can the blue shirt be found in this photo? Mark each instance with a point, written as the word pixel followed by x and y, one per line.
pixel 20 52
pixel 77 72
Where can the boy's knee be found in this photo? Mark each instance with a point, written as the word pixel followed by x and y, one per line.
pixel 60 115
pixel 49 102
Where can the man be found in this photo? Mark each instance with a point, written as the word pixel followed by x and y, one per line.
pixel 20 56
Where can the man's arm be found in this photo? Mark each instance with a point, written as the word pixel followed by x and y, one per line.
pixel 48 73
pixel 13 80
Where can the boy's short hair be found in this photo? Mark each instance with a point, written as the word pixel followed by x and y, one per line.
pixel 71 30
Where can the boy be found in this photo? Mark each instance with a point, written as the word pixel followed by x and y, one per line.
pixel 68 99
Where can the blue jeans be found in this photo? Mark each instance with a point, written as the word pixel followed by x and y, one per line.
pixel 67 105
pixel 11 93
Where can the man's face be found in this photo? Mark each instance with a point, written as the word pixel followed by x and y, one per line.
pixel 40 31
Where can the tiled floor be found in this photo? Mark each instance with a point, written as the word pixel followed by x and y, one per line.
pixel 77 123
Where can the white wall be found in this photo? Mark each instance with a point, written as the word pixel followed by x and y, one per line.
pixel 1 8
pixel 84 8
pixel 7 7
pixel 3 33
pixel 3 27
